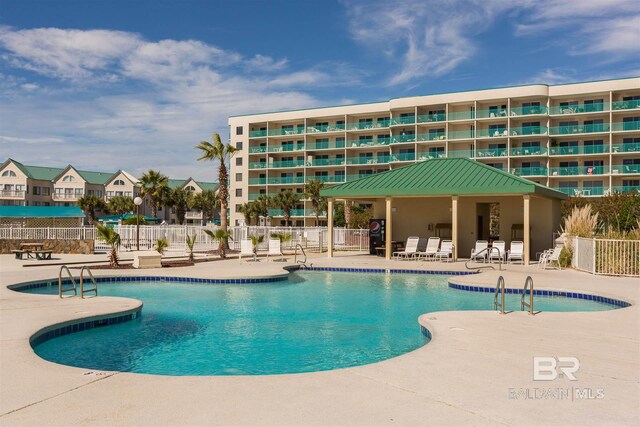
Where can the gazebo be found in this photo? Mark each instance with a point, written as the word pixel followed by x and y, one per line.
pixel 41 216
pixel 417 199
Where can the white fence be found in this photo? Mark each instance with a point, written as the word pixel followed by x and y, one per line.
pixel 48 233
pixel 606 256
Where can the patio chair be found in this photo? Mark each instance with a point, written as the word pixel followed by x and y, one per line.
pixel 480 251
pixel 246 249
pixel 430 251
pixel 497 251
pixel 275 249
pixel 410 249
pixel 446 251
pixel 516 251
pixel 550 257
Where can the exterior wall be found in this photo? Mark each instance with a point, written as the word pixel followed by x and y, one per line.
pixel 13 189
pixel 129 189
pixel 589 150
pixel 68 192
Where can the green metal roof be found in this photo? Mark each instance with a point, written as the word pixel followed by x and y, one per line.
pixel 175 183
pixel 440 177
pixel 41 212
pixel 36 172
pixel 208 185
pixel 96 177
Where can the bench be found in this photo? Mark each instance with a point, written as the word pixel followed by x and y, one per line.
pixel 147 259
pixel 20 253
pixel 43 254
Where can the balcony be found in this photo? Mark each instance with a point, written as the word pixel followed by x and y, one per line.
pixel 625 169
pixel 258 165
pixel 380 159
pixel 338 127
pixel 633 147
pixel 582 191
pixel 461 115
pixel 193 215
pixel 326 162
pixel 492 133
pixel 460 154
pixel 285 148
pixel 66 196
pixel 286 164
pixel 325 145
pixel 578 170
pixel 625 105
pixel 327 178
pixel 258 149
pixel 432 136
pixel 275 180
pixel 528 111
pixel 286 131
pixel 626 189
pixel 491 152
pixel 409 137
pixel 254 196
pixel 354 177
pixel 626 126
pixel 528 130
pixel 579 109
pixel 426 155
pixel 280 212
pixel 404 120
pixel 257 181
pixel 403 157
pixel 461 134
pixel 528 151
pixel 379 124
pixel 12 194
pixel 490 114
pixel 432 118
pixel 257 133
pixel 369 142
pixel 530 171
pixel 579 129
pixel 580 149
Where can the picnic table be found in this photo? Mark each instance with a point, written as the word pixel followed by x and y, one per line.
pixel 28 250
pixel 395 247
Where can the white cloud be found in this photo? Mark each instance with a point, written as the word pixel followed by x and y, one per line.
pixel 262 63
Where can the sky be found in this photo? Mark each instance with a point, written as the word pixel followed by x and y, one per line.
pixel 136 84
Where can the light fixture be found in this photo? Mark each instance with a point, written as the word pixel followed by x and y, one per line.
pixel 137 201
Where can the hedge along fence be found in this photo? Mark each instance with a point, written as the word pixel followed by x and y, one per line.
pixel 607 256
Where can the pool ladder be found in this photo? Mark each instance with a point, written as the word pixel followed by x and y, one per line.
pixel 64 292
pixel 498 296
pixel 528 283
pixel 488 251
pixel 295 255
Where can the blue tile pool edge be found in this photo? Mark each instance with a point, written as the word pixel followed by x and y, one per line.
pixel 386 270
pixel 543 292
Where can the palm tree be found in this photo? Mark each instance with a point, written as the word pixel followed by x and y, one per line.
pixel 181 200
pixel 247 210
pixel 221 153
pixel 206 202
pixel 162 245
pixel 191 241
pixel 221 236
pixel 119 205
pixel 261 207
pixel 255 241
pixel 312 192
pixel 286 200
pixel 89 204
pixel 112 239
pixel 156 186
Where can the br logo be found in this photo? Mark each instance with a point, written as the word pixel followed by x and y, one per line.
pixel 550 368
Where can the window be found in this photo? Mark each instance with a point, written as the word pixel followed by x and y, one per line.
pixel 36 190
pixel 46 191
pixel 238 161
pixel 238 177
pixel 238 192
pixel 190 188
pixel 239 145
pixel 9 174
pixel 118 182
pixel 238 130
pixel 593 105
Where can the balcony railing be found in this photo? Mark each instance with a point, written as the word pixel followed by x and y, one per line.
pixel 431 118
pixel 65 196
pixel 426 155
pixel 257 133
pixel 368 160
pixel 404 120
pixel 257 181
pixel 285 180
pixel 193 215
pixel 530 171
pixel 369 142
pixel 410 137
pixel 258 149
pixel 625 169
pixel 486 114
pixel 285 148
pixel 403 157
pixel 578 170
pixel 353 177
pixel 528 111
pixel 337 127
pixel 432 136
pixel 460 154
pixel 633 147
pixel 376 124
pixel 528 151
pixel 326 162
pixel 287 164
pixel 258 165
pixel 286 131
pixel 280 212
pixel 626 105
pixel 461 134
pixel 461 115
pixel 325 145
pixel 492 133
pixel 626 189
pixel 623 126
pixel 579 129
pixel 327 178
pixel 582 191
pixel 577 109
pixel 491 152
pixel 12 193
pixel 528 130
pixel 580 149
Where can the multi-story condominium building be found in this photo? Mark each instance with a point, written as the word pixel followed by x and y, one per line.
pixel 22 185
pixel 582 139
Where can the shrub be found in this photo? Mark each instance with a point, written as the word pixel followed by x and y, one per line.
pixel 582 222
pixel 565 257
pixel 161 245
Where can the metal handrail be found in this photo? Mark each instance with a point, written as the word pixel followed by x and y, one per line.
pixel 95 284
pixel 295 255
pixel 528 283
pixel 488 250
pixel 499 290
pixel 61 291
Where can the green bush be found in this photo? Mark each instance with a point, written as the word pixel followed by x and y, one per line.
pixel 565 257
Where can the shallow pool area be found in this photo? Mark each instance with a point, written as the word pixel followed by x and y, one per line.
pixel 311 322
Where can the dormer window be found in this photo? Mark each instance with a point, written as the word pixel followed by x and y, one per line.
pixel 69 178
pixel 11 174
pixel 118 182
pixel 190 188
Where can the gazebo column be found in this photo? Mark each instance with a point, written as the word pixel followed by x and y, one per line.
pixel 388 247
pixel 454 226
pixel 330 227
pixel 527 234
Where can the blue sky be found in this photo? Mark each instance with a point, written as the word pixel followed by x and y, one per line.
pixel 135 84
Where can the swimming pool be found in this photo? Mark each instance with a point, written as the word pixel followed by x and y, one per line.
pixel 311 322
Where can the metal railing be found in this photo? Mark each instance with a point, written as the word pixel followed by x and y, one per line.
pixel 295 255
pixel 606 256
pixel 62 291
pixel 499 293
pixel 93 280
pixel 528 284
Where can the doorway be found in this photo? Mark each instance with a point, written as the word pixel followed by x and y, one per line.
pixel 488 221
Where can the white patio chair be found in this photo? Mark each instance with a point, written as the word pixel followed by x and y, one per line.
pixel 516 251
pixel 497 251
pixel 480 252
pixel 446 251
pixel 246 249
pixel 432 248
pixel 275 249
pixel 410 249
pixel 552 256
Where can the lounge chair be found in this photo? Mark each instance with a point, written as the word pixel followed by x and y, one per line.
pixel 551 256
pixel 498 251
pixel 516 251
pixel 410 249
pixel 246 249
pixel 275 249
pixel 432 248
pixel 446 251
pixel 480 251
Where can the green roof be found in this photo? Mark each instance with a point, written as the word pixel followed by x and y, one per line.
pixel 96 177
pixel 208 185
pixel 441 177
pixel 41 212
pixel 175 183
pixel 37 172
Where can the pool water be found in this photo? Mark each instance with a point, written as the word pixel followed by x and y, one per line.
pixel 314 321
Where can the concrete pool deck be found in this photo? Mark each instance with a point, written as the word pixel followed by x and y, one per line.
pixel 478 369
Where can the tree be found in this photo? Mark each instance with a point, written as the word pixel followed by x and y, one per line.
pixel 246 209
pixel 221 236
pixel 286 200
pixel 255 241
pixel 206 202
pixel 339 216
pixel 312 192
pixel 360 217
pixel 89 204
pixel 156 187
pixel 132 220
pixel 221 153
pixel 261 207
pixel 119 205
pixel 191 241
pixel 181 200
pixel 162 245
pixel 112 239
